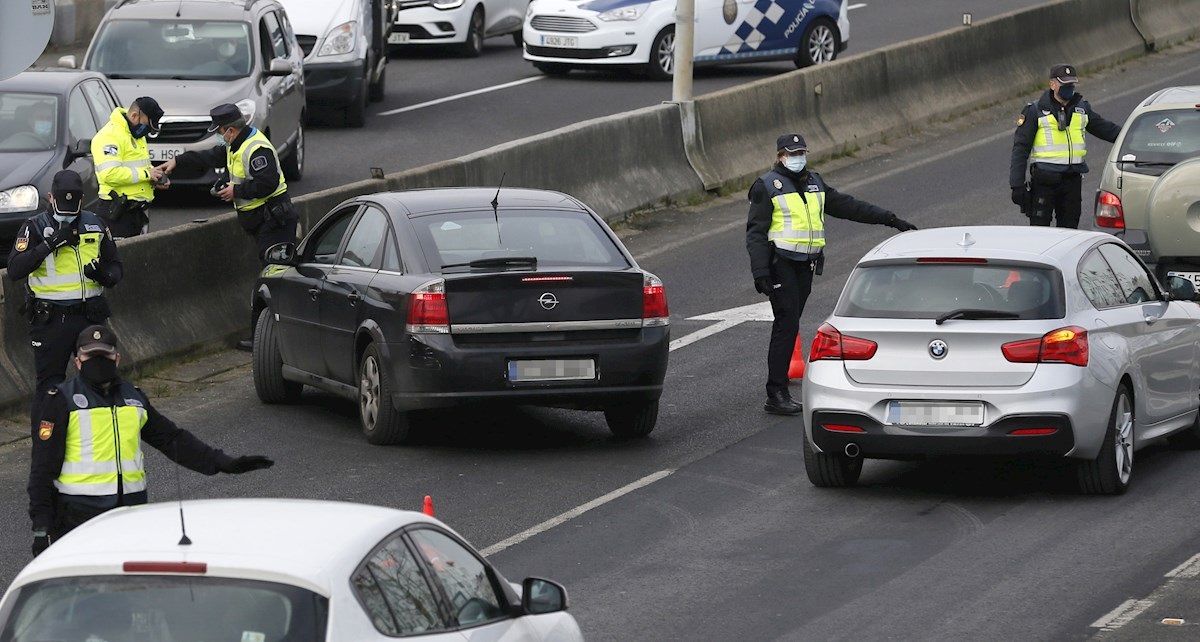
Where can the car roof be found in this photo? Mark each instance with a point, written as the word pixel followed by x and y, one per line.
pixel 47 80
pixel 1173 98
pixel 419 202
pixel 1045 245
pixel 186 9
pixel 309 543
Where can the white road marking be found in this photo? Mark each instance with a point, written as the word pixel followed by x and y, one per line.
pixel 574 512
pixel 1123 614
pixel 1190 568
pixel 725 319
pixel 474 92
pixel 856 6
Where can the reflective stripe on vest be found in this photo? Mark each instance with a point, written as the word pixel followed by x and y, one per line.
pixel 131 154
pixel 238 164
pixel 59 277
pixel 103 442
pixel 797 222
pixel 1060 146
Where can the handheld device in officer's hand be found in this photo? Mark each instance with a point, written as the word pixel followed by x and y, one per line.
pixel 163 181
pixel 218 186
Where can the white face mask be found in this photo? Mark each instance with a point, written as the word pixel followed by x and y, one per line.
pixel 795 163
pixel 64 218
pixel 226 49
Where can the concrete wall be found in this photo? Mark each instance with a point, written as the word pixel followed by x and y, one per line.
pixel 190 286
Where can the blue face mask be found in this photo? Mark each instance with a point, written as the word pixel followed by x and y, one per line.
pixel 139 131
pixel 43 128
pixel 1066 92
pixel 63 218
pixel 795 163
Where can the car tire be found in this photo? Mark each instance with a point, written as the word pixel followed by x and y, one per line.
pixel 552 68
pixel 662 55
pixel 381 422
pixel 473 46
pixel 818 44
pixel 1110 472
pixel 356 112
pixel 292 165
pixel 636 419
pixel 830 470
pixel 268 364
pixel 377 90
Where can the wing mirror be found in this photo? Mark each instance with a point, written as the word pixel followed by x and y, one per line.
pixel 1181 289
pixel 81 148
pixel 281 254
pixel 279 67
pixel 540 596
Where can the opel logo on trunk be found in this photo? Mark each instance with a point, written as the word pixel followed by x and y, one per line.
pixel 548 301
pixel 938 349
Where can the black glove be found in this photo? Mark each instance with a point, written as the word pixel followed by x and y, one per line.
pixel 65 235
pixel 245 464
pixel 901 224
pixel 1019 195
pixel 40 543
pixel 763 285
pixel 92 271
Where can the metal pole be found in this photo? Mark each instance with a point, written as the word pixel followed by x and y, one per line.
pixel 685 26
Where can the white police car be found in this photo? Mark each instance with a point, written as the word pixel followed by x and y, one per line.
pixel 564 34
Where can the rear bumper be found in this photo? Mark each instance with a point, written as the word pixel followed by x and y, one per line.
pixel 879 441
pixel 333 84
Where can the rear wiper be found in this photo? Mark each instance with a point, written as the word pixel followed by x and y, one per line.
pixel 1149 164
pixel 973 313
pixel 498 262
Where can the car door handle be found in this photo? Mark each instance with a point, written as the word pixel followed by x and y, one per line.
pixel 354 297
pixel 1150 318
pixel 313 292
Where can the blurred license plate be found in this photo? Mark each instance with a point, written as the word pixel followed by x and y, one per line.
pixel 935 413
pixel 1194 277
pixel 398 38
pixel 163 154
pixel 570 42
pixel 552 370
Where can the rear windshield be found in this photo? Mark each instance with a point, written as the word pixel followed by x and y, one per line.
pixel 554 238
pixel 126 608
pixel 28 122
pixel 178 49
pixel 928 290
pixel 1162 137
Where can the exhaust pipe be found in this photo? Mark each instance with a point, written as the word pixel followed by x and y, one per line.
pixel 852 450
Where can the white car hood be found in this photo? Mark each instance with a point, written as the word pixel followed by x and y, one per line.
pixel 317 17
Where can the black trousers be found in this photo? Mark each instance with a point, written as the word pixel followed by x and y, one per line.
pixel 1063 198
pixel 131 223
pixel 787 303
pixel 53 339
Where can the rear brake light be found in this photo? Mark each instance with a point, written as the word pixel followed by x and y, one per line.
pixel 198 568
pixel 1064 345
pixel 654 302
pixel 841 428
pixel 545 279
pixel 1109 212
pixel 950 259
pixel 833 345
pixel 1025 432
pixel 427 312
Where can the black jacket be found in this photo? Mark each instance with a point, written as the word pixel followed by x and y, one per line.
pixel 837 205
pixel 47 454
pixel 1097 126
pixel 263 172
pixel 30 250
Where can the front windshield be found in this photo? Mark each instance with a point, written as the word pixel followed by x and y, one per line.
pixel 179 49
pixel 28 122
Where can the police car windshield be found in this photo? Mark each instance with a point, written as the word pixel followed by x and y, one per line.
pixel 178 49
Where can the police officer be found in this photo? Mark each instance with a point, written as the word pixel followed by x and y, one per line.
pixel 256 185
pixel 68 257
pixel 127 180
pixel 87 448
pixel 785 236
pixel 1049 139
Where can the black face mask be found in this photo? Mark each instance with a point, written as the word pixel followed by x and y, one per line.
pixel 98 371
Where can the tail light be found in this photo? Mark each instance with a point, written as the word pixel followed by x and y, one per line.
pixel 1109 212
pixel 427 313
pixel 833 345
pixel 654 302
pixel 199 568
pixel 1064 345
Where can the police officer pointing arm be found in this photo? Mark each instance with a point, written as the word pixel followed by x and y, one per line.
pixel 785 236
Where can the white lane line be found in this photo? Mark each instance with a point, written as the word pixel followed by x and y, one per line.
pixel 474 92
pixel 856 6
pixel 574 512
pixel 1190 568
pixel 708 331
pixel 1123 614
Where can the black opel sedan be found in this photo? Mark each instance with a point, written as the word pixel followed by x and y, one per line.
pixel 450 296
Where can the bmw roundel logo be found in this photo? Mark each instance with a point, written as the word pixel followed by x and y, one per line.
pixel 938 349
pixel 548 300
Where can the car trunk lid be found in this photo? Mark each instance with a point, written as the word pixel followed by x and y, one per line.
pixel 549 298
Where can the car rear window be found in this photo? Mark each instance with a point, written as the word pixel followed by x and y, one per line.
pixel 928 290
pixel 177 49
pixel 554 238
pixel 1162 137
pixel 163 607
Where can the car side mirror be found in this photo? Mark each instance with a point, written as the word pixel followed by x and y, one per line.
pixel 282 254
pixel 279 67
pixel 539 596
pixel 67 61
pixel 1181 289
pixel 81 148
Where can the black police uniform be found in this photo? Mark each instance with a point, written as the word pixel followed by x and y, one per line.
pixel 792 272
pixel 1053 188
pixel 55 325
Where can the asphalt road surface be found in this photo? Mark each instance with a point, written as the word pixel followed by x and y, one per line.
pixel 709 529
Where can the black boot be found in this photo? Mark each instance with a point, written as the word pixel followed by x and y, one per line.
pixel 781 403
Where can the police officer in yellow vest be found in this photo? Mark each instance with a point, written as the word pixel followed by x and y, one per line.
pixel 256 186
pixel 1049 139
pixel 68 257
pixel 123 170
pixel 87 447
pixel 785 236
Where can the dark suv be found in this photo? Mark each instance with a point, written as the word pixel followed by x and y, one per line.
pixel 192 55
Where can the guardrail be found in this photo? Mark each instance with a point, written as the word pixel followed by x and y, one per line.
pixel 190 286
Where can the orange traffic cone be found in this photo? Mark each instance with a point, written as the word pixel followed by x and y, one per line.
pixel 796 367
pixel 427 508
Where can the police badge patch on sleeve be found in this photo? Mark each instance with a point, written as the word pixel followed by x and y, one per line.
pixel 258 163
pixel 45 430
pixel 110 150
pixel 1020 120
pixel 778 184
pixel 23 240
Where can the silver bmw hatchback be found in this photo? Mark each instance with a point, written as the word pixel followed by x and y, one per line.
pixel 1003 340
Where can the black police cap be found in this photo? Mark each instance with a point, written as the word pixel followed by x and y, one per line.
pixel 67 189
pixel 96 339
pixel 224 115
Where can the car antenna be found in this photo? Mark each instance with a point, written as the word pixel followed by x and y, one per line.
pixel 496 204
pixel 179 8
pixel 185 540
